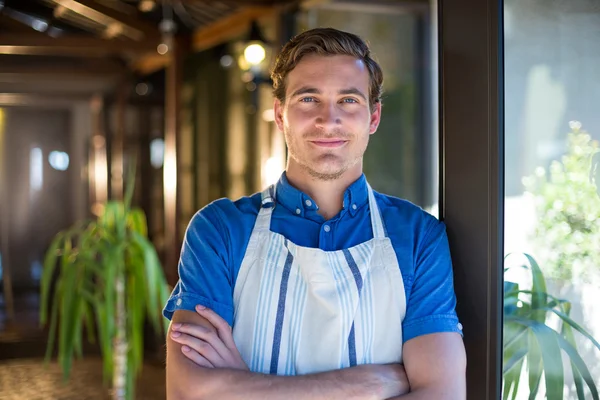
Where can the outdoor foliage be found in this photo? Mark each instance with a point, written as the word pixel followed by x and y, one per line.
pixel 108 280
pixel 567 198
pixel 530 343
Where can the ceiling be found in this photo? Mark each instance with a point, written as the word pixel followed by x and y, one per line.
pixel 73 47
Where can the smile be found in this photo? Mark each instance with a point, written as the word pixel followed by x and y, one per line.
pixel 329 143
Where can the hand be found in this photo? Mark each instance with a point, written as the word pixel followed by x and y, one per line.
pixel 208 347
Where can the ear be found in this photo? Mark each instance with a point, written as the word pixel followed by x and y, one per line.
pixel 375 118
pixel 278 111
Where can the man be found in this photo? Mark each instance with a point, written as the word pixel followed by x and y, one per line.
pixel 333 291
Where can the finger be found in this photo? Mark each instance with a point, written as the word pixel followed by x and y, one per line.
pixel 223 328
pixel 200 346
pixel 195 357
pixel 207 334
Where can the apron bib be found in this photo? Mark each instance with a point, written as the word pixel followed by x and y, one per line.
pixel 300 310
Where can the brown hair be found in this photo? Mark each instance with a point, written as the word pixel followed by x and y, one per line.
pixel 325 42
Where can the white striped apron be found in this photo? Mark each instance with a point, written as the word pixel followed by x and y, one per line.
pixel 300 310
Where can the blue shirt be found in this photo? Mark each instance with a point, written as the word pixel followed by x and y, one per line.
pixel 217 236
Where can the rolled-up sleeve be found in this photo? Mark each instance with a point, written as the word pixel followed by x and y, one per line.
pixel 432 301
pixel 205 276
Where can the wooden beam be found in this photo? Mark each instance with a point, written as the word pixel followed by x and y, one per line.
pixel 229 27
pixel 131 27
pixel 14 26
pixel 150 63
pixel 218 32
pixel 69 45
pixel 52 100
pixel 99 68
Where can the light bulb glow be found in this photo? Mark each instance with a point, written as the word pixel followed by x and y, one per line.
pixel 254 54
pixel 59 160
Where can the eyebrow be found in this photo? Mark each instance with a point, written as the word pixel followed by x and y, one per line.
pixel 306 90
pixel 313 90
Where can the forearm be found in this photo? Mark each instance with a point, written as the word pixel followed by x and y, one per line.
pixel 204 363
pixel 428 394
pixel 346 384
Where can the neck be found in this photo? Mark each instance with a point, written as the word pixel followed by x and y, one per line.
pixel 329 195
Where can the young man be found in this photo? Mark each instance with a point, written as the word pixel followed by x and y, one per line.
pixel 333 291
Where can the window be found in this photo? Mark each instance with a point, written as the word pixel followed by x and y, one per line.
pixel 552 197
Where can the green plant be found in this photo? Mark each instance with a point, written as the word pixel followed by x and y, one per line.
pixel 568 209
pixel 108 279
pixel 529 342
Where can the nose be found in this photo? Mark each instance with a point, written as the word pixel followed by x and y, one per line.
pixel 328 117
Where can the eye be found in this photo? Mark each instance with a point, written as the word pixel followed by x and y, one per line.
pixel 307 99
pixel 349 100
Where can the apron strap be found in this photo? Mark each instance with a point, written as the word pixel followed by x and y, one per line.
pixel 376 220
pixel 267 197
pixel 263 221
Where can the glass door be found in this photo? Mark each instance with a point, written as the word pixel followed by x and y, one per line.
pixel 552 199
pixel 520 169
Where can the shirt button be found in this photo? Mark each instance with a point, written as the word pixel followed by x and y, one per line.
pixel 459 326
pixel 178 302
pixel 308 203
pixel 354 206
pixel 298 211
pixel 326 228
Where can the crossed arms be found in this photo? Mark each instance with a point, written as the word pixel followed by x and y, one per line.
pixel 204 363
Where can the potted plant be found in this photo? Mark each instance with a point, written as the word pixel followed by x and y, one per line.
pixel 108 279
pixel 527 337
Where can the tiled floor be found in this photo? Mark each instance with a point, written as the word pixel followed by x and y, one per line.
pixel 30 379
pixel 23 375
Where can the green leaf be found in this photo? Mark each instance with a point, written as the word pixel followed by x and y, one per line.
pixel 53 322
pixel 567 333
pixel 154 278
pixel 556 301
pixel 538 295
pixel 66 321
pixel 547 341
pixel 579 365
pixel 113 220
pixel 517 373
pixel 130 184
pixel 134 323
pixel 511 381
pixel 89 318
pixel 110 266
pixel 515 339
pixel 575 325
pixel 47 274
pixel 516 358
pixel 534 363
pixel 136 220
pixel 105 342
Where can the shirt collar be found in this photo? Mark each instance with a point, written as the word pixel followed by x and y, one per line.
pixel 300 203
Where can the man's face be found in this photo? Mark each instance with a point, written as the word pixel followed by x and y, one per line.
pixel 326 116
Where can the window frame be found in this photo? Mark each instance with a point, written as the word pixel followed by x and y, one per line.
pixel 471 85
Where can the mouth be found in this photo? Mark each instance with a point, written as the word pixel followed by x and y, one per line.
pixel 329 143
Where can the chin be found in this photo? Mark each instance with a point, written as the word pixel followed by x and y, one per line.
pixel 326 173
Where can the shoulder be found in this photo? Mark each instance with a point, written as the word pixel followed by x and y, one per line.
pixel 400 215
pixel 225 213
